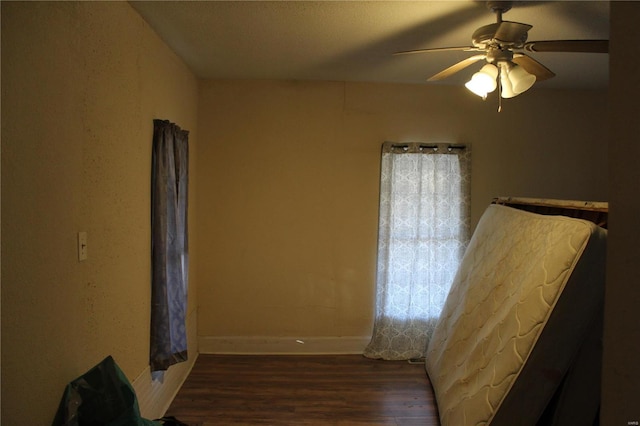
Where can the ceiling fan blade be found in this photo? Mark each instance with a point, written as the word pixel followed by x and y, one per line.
pixel 532 66
pixel 456 67
pixel 508 31
pixel 439 49
pixel 586 46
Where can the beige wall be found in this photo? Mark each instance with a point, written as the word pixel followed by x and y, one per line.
pixel 621 372
pixel 289 173
pixel 283 192
pixel 81 84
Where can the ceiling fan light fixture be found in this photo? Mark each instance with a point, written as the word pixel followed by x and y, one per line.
pixel 501 44
pixel 484 81
pixel 521 80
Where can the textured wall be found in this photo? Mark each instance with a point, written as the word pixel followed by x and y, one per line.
pixel 284 189
pixel 289 216
pixel 81 83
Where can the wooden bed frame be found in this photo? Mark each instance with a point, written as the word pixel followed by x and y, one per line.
pixel 593 211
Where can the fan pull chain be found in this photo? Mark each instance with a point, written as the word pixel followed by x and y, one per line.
pixel 499 89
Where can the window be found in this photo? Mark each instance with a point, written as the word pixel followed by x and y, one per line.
pixel 422 234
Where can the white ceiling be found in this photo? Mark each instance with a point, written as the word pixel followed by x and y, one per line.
pixel 355 40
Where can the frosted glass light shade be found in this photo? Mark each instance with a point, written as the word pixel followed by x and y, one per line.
pixel 484 81
pixel 476 87
pixel 505 83
pixel 521 80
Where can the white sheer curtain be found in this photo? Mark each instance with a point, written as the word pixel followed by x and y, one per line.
pixel 423 232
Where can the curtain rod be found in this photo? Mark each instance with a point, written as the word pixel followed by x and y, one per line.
pixel 421 147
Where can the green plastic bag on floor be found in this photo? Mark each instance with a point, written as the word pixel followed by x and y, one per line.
pixel 101 397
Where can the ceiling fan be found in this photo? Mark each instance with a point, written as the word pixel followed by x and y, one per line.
pixel 501 45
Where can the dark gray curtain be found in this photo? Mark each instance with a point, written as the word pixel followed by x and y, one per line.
pixel 169 245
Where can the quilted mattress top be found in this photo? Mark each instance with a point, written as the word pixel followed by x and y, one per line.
pixel 510 279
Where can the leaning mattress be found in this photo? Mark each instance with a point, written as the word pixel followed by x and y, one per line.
pixel 523 300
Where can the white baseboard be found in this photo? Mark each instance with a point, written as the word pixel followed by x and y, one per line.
pixel 155 397
pixel 267 345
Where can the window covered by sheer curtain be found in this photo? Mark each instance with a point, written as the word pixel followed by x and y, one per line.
pixel 169 245
pixel 422 234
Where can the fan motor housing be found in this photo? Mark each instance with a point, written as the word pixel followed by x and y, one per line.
pixel 483 36
pixel 496 55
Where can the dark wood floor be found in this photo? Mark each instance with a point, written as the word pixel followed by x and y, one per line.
pixel 304 390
